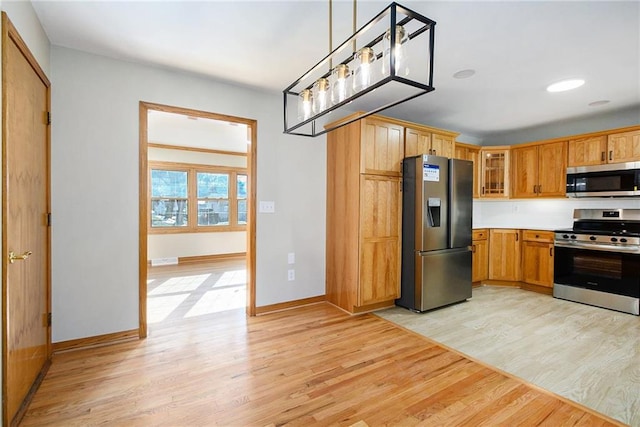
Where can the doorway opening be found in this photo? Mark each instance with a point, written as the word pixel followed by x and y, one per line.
pixel 197 223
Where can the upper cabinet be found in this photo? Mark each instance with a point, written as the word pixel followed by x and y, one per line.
pixel 600 149
pixel 539 170
pixel 472 153
pixel 623 147
pixel 382 147
pixel 494 172
pixel 426 141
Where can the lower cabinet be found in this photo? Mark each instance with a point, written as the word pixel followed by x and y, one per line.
pixel 537 257
pixel 480 255
pixel 504 254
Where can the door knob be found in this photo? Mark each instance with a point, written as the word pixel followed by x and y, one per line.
pixel 13 257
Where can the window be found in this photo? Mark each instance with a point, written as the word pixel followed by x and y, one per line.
pixel 195 198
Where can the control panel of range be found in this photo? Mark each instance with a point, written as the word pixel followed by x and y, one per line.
pixel 569 237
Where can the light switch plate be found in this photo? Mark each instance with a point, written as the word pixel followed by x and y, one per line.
pixel 291 258
pixel 291 275
pixel 267 206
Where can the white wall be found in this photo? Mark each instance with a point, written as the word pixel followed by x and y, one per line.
pixel 547 214
pixel 95 162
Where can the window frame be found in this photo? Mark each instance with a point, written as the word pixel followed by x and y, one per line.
pixel 192 170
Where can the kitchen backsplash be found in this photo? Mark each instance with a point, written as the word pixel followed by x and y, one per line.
pixel 547 214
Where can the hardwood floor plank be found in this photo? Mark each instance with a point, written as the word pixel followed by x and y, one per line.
pixel 309 366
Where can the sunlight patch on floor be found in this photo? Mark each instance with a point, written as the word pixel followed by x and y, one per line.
pixel 219 300
pixel 180 284
pixel 160 307
pixel 229 278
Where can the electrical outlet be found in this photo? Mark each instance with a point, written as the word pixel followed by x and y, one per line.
pixel 291 258
pixel 291 275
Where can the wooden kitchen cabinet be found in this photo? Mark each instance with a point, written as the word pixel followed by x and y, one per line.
pixel 382 145
pixel 364 214
pixel 537 257
pixel 539 170
pixel 623 147
pixel 504 254
pixel 472 153
pixel 587 151
pixel 480 255
pixel 425 141
pixel 494 172
pixel 601 149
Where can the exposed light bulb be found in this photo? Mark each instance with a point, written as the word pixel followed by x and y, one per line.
pixel 304 104
pixel 401 63
pixel 362 75
pixel 320 95
pixel 340 90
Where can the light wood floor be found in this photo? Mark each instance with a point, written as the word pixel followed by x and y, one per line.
pixel 308 366
pixel 587 354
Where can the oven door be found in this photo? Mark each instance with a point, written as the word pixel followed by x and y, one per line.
pixel 611 272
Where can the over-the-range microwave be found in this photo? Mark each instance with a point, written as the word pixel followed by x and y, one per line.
pixel 612 180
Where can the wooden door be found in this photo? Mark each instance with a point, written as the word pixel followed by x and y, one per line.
pixel 587 151
pixel 537 263
pixel 25 204
pixel 504 254
pixel 624 147
pixel 552 169
pixel 416 142
pixel 380 239
pixel 382 147
pixel 480 261
pixel 441 145
pixel 524 180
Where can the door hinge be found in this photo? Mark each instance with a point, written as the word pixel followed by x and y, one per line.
pixel 48 319
pixel 48 117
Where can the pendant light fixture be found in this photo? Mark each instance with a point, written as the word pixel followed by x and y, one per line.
pixel 386 62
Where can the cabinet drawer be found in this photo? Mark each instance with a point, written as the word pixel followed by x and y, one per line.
pixel 480 234
pixel 538 236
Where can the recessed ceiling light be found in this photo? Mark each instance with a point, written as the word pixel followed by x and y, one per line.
pixel 464 74
pixel 565 85
pixel 598 103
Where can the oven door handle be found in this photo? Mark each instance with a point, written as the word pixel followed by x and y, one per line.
pixel 600 247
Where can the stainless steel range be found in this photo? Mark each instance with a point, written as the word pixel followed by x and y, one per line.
pixel 597 262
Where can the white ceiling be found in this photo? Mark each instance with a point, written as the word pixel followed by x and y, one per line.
pixel 516 47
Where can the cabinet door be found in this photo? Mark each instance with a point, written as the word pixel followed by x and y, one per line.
pixel 623 147
pixel 494 173
pixel 474 156
pixel 382 147
pixel 552 169
pixel 441 145
pixel 587 151
pixel 504 254
pixel 380 226
pixel 537 263
pixel 480 260
pixel 524 164
pixel 416 142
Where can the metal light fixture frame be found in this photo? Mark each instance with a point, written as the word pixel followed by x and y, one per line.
pixel 311 126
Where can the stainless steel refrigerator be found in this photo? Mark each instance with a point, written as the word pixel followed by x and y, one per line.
pixel 436 232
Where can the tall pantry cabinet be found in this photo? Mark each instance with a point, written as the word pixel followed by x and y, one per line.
pixel 364 216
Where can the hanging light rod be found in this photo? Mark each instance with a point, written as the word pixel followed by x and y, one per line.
pixel 375 69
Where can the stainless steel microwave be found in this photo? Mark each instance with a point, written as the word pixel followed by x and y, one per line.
pixel 612 180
